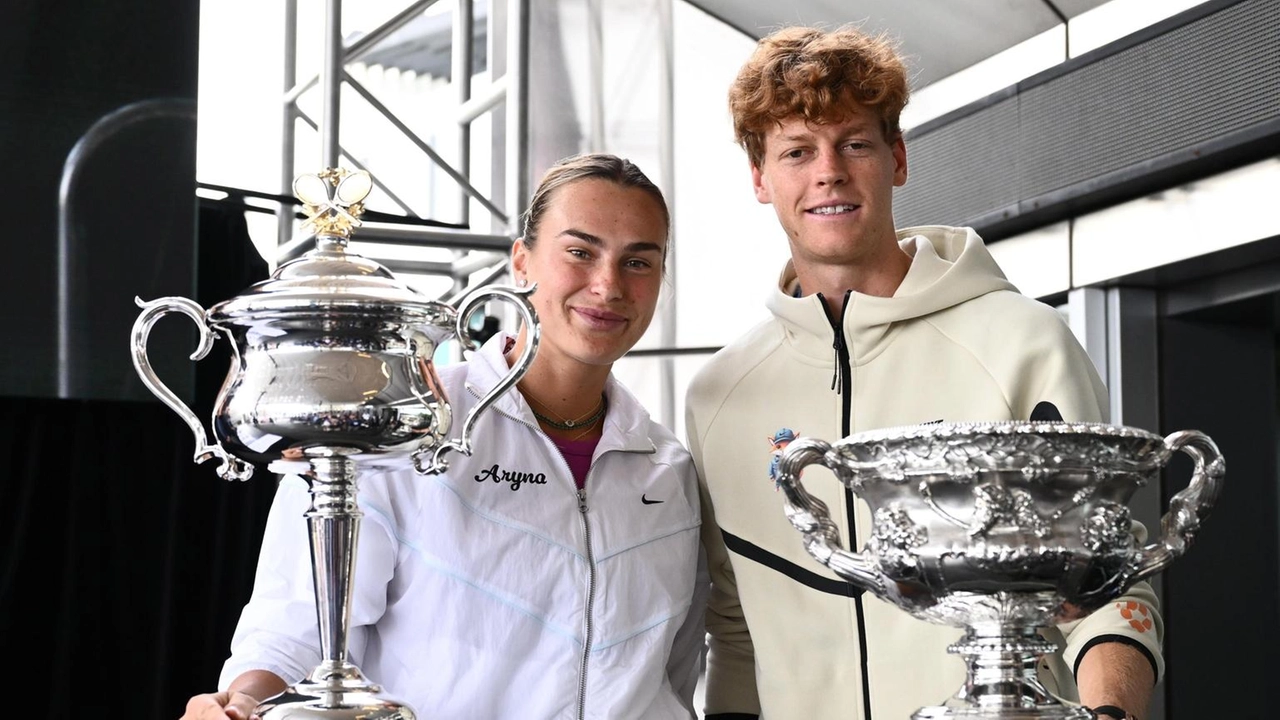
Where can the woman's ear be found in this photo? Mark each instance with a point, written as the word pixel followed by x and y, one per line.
pixel 519 262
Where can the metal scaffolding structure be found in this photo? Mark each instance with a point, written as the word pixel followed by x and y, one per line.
pixel 474 250
pixel 479 256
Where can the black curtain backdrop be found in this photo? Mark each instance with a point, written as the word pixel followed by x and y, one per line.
pixel 68 64
pixel 124 565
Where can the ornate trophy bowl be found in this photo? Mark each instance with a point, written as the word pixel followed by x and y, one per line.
pixel 331 372
pixel 1001 529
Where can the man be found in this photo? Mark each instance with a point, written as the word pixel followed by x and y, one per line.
pixel 871 327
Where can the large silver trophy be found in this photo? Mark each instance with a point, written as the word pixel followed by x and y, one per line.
pixel 331 372
pixel 1001 529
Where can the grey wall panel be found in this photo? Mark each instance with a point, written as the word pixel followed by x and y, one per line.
pixel 1184 98
pixel 963 165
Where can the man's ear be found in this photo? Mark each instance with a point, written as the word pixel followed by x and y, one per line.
pixel 899 148
pixel 763 196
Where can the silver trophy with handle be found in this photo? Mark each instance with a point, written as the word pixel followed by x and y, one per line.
pixel 1001 529
pixel 331 372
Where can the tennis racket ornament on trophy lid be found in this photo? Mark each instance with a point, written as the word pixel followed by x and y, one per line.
pixel 331 373
pixel 1001 529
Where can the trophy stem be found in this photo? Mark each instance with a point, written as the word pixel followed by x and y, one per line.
pixel 1001 682
pixel 334 524
pixel 335 689
pixel 333 521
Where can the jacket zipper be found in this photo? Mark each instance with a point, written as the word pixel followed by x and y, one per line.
pixel 588 627
pixel 840 382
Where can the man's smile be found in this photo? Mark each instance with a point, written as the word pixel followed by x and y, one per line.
pixel 833 209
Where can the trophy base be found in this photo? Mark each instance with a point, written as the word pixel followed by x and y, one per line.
pixel 1044 712
pixel 334 691
pixel 1001 658
pixel 308 702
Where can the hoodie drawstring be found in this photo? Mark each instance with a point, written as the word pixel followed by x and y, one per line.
pixel 837 342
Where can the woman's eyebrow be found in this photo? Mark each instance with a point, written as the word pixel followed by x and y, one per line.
pixel 588 238
pixel 644 246
pixel 585 237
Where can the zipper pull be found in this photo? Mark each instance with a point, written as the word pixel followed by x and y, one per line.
pixel 582 500
pixel 838 345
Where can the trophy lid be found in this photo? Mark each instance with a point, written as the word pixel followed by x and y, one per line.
pixel 329 280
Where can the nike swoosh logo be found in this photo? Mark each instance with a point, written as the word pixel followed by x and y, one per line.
pixel 647 501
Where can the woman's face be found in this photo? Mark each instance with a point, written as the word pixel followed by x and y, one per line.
pixel 597 262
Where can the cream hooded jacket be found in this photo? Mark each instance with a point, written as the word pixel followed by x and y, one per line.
pixel 495 590
pixel 788 638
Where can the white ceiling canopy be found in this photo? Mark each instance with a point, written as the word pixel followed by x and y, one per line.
pixel 938 37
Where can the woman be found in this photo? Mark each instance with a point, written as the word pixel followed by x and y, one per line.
pixel 554 572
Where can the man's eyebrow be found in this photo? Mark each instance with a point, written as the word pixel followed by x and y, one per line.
pixel 853 128
pixel 592 240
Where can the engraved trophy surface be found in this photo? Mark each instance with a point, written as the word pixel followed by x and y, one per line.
pixel 1001 529
pixel 331 372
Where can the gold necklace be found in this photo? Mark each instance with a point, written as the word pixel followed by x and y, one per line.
pixel 586 421
pixel 574 438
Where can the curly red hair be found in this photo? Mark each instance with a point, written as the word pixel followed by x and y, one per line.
pixel 818 75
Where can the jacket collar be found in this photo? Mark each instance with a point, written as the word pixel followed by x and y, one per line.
pixel 948 267
pixel 626 424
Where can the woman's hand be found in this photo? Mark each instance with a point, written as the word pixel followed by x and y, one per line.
pixel 225 705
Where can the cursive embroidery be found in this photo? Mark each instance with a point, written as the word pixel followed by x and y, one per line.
pixel 516 479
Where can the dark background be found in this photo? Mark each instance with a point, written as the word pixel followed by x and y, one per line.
pixel 123 564
pixel 132 219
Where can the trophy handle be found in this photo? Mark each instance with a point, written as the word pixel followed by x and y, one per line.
pixel 810 516
pixel 1186 509
pixel 231 468
pixel 533 333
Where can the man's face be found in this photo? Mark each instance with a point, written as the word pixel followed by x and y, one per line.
pixel 832 186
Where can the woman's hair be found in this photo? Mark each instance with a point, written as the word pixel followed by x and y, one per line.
pixel 820 76
pixel 599 166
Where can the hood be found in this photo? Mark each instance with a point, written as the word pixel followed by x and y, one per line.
pixel 949 265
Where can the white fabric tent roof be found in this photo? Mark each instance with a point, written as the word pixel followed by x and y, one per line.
pixel 939 37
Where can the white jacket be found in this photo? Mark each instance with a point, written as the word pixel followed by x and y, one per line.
pixel 956 342
pixel 487 592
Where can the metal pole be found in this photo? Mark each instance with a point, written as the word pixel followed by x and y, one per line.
pixel 460 74
pixel 421 144
pixel 331 82
pixel 488 98
pixel 299 115
pixel 517 114
pixel 364 44
pixel 1066 28
pixel 666 149
pixel 595 69
pixel 284 216
pixel 462 70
